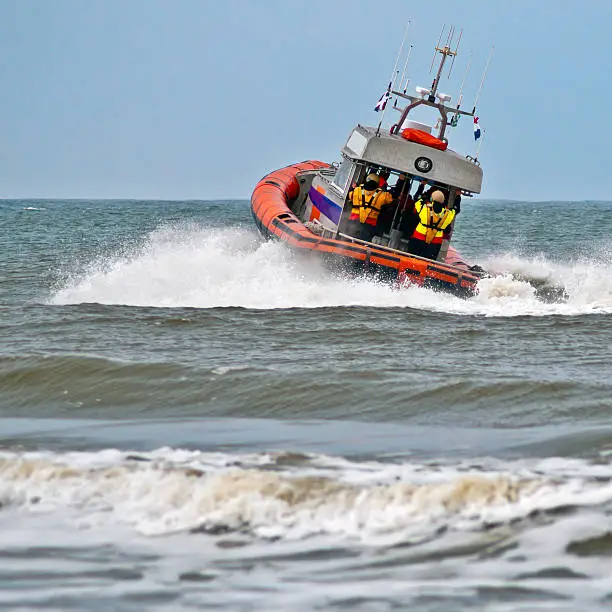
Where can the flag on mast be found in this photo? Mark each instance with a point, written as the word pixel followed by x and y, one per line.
pixel 476 128
pixel 382 101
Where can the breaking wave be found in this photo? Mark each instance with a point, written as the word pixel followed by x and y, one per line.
pixel 190 266
pixel 288 496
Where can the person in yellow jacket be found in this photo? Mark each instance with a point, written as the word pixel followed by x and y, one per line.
pixel 434 218
pixel 367 201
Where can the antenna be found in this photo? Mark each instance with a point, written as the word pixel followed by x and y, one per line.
pixel 393 78
pixel 456 50
pixel 467 71
pixel 433 59
pixel 484 74
pixel 395 72
pixel 451 33
pixel 455 118
pixel 405 67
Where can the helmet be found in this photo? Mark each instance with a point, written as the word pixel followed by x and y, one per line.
pixel 373 177
pixel 437 196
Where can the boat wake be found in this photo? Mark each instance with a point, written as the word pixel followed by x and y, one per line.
pixel 579 287
pixel 195 267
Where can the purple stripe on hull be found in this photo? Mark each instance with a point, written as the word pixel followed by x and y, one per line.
pixel 324 205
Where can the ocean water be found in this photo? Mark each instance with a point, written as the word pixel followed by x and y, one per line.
pixel 192 418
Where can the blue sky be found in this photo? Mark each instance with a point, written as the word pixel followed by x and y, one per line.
pixel 200 98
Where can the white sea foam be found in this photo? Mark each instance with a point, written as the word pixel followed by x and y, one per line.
pixel 187 266
pixel 176 490
pixel 294 532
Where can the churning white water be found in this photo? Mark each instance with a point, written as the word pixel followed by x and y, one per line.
pixel 188 266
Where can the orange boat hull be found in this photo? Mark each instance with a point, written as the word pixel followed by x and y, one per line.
pixel 274 218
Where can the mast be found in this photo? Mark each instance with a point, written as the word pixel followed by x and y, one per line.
pixel 446 53
pixel 431 97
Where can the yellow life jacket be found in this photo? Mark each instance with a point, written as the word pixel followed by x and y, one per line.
pixel 431 224
pixel 368 204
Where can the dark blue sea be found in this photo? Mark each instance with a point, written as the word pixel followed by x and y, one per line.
pixel 192 418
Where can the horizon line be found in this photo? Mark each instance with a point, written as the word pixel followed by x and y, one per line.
pixel 245 199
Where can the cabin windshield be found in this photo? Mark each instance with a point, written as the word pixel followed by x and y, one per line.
pixel 343 175
pixel 387 216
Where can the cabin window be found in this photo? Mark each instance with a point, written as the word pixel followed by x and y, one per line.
pixel 343 175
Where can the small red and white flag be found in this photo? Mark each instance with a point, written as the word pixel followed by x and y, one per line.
pixel 476 128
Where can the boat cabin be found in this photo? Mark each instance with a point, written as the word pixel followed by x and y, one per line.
pixel 411 162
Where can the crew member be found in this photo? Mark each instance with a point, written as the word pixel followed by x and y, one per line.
pixel 434 218
pixel 383 178
pixel 367 201
pixel 457 208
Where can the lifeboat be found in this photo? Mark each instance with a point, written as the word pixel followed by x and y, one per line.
pixel 310 206
pixel 272 205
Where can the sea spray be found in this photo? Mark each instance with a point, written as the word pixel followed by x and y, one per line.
pixel 190 266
